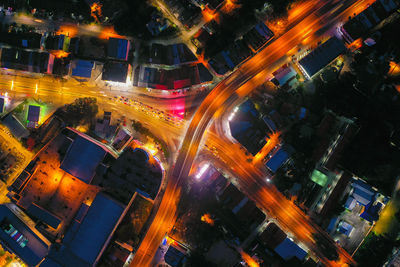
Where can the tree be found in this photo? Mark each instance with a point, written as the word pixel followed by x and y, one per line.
pixel 82 111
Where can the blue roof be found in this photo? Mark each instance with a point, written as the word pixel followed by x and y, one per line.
pixel 1 105
pixel 83 68
pixel 15 126
pixel 48 262
pixel 362 197
pixel 44 215
pixel 228 60
pixel 371 212
pixel 95 228
pixel 36 248
pixel 270 123
pixel 33 113
pixel 288 249
pixel 82 159
pixel 345 228
pixel 332 224
pixel 350 203
pixel 118 48
pixel 322 56
pixel 276 161
pixel 174 257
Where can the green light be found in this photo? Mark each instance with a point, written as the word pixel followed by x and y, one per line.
pixel 319 178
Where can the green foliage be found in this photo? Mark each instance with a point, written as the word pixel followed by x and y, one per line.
pixel 129 16
pixel 136 125
pixel 82 111
pixel 374 251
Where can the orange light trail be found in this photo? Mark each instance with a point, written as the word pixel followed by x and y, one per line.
pixel 95 11
pixel 249 260
pixel 68 30
pixel 207 219
pixel 59 53
pixel 208 14
pixel 229 6
pixel 357 44
pixel 108 32
pixel 394 69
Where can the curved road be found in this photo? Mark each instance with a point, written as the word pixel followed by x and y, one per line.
pixel 234 87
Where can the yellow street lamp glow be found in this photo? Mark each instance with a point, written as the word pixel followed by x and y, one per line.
pixel 12 84
pixel 36 89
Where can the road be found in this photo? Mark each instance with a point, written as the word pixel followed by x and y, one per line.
pixel 54 92
pixel 236 86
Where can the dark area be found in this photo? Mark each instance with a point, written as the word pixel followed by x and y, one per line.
pixel 129 16
pixel 233 23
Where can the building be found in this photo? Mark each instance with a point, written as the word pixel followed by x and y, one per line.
pixel 30 40
pixel 82 158
pixel 288 249
pixel 24 60
pixel 361 24
pixel 57 42
pixel 175 54
pixel 248 128
pixel 82 68
pixel 179 78
pixel 321 56
pixel 33 116
pixel 131 172
pixel 103 128
pixel 86 239
pixel 175 256
pixel 19 235
pixel 279 158
pixel 15 126
pixel 121 139
pixel 272 236
pixel 118 48
pixel 284 76
pixel 258 36
pixel 2 104
pixel 115 71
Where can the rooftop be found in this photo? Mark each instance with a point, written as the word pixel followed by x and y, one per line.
pixel 118 48
pixel 321 56
pixel 23 240
pixel 82 159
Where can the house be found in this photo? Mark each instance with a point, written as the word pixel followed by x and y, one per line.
pixel 321 56
pixel 272 236
pixel 19 235
pixel 248 128
pixel 175 54
pixel 57 42
pixel 44 215
pixel 288 249
pixel 279 158
pixel 179 78
pixel 285 75
pixel 82 68
pixel 258 36
pixel 30 40
pixel 174 256
pixel 24 60
pixel 115 71
pixel 103 128
pixel 15 126
pixel 2 104
pixel 359 25
pixel 33 116
pixel 118 48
